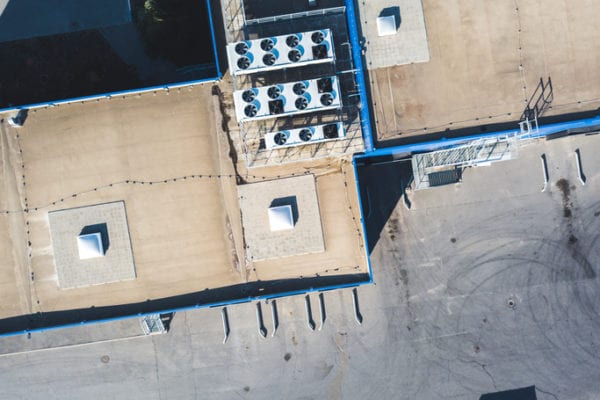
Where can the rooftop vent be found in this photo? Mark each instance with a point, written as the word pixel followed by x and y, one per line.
pixel 281 218
pixel 90 246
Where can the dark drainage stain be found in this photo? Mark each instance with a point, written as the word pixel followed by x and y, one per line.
pixel 105 359
pixel 563 185
pixel 287 356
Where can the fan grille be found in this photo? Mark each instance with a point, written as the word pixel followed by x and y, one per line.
pixel 280 138
pixel 243 63
pixel 299 88
pixel 305 135
pixel 301 103
pixel 241 48
pixel 294 55
pixel 266 44
pixel 317 37
pixel 248 96
pixel 326 99
pixel 273 92
pixel 250 110
pixel 269 59
pixel 292 40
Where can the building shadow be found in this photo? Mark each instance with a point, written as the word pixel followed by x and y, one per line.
pixel 526 393
pixel 212 297
pixel 382 182
pixel 102 229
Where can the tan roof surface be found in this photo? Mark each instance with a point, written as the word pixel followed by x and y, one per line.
pixel 160 154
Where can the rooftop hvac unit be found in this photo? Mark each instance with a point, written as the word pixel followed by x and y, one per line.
pixel 287 99
pixel 278 52
pixel 306 135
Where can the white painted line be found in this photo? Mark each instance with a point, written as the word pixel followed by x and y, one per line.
pixel 405 200
pixel 322 310
pixel 274 317
pixel 545 170
pixel 262 331
pixel 309 318
pixel 580 173
pixel 357 314
pixel 225 318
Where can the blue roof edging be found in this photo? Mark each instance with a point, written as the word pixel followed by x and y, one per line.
pixel 188 308
pixel 542 131
pixel 365 118
pixel 109 95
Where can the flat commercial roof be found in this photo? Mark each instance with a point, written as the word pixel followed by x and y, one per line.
pixel 487 59
pixel 165 157
pixel 395 32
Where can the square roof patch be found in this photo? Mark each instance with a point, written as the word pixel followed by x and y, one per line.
pixel 91 245
pixel 281 218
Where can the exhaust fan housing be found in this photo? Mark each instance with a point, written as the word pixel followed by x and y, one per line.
pixel 303 136
pixel 276 52
pixel 287 99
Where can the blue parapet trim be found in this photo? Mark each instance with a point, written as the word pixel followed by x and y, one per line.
pixel 445 143
pixel 194 307
pixel 213 39
pixel 365 117
pixel 362 220
pixel 109 95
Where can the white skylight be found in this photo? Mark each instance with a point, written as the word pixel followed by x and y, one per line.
pixel 386 25
pixel 280 218
pixel 90 246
